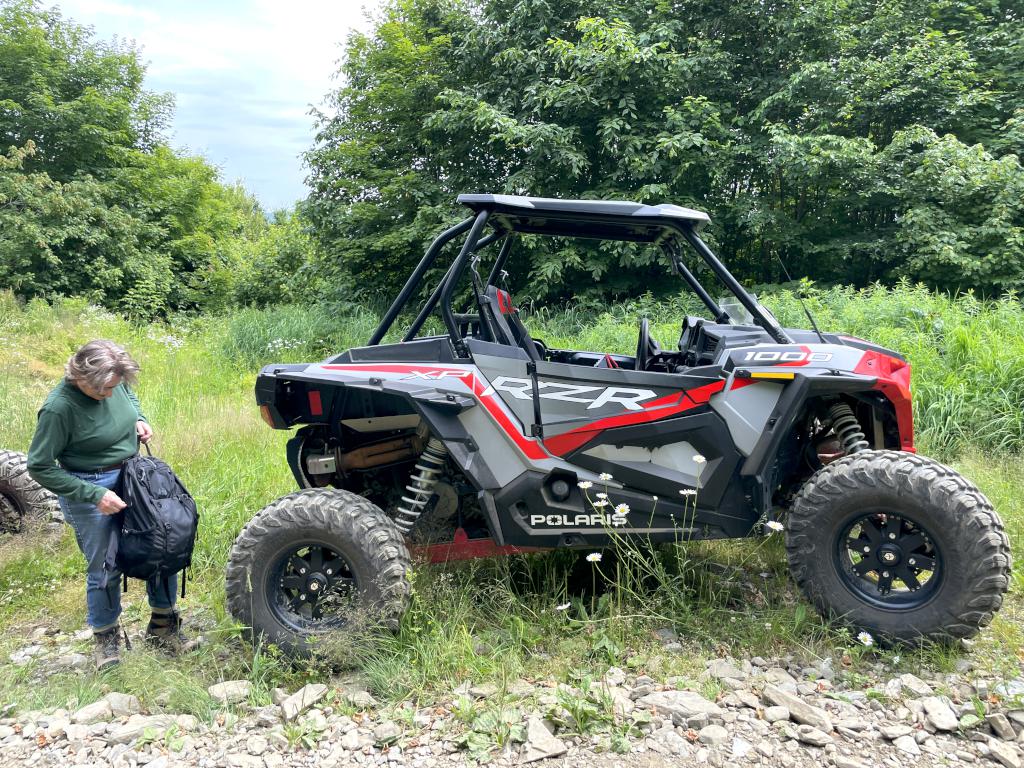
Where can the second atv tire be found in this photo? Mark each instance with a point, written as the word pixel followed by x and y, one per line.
pixel 314 562
pixel 900 546
pixel 22 499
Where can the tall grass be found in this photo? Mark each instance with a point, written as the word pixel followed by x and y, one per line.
pixel 493 620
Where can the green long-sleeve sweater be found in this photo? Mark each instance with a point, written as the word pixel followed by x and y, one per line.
pixel 82 433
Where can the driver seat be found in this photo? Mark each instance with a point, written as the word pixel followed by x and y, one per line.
pixel 507 322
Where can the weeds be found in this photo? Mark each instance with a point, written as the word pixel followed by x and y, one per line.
pixel 554 615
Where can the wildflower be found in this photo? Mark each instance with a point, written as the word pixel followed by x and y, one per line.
pixel 600 503
pixel 896 659
pixel 605 476
pixel 688 492
pixel 563 607
pixel 654 497
pixel 774 525
pixel 768 625
pixel 698 459
pixel 584 484
pixel 594 557
pixel 622 509
pixel 601 495
pixel 865 639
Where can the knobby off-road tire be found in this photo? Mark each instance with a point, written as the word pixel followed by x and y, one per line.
pixel 22 499
pixel 907 499
pixel 359 548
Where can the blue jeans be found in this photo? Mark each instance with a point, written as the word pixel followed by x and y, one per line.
pixel 92 532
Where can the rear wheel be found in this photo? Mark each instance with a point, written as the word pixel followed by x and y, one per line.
pixel 900 546
pixel 316 561
pixel 22 498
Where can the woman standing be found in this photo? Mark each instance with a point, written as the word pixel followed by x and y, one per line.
pixel 88 425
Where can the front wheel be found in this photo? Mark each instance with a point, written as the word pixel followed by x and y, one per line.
pixel 900 546
pixel 316 561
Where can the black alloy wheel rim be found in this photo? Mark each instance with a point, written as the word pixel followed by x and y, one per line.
pixel 311 587
pixel 889 561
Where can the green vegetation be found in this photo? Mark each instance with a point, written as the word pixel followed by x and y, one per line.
pixel 858 140
pixel 485 621
pixel 94 203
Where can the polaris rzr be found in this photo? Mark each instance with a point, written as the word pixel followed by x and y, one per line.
pixel 484 441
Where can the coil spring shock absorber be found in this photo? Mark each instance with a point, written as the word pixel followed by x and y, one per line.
pixel 847 428
pixel 421 484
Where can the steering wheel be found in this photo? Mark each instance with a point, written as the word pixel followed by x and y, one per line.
pixel 646 347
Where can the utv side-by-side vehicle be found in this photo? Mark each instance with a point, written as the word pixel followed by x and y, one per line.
pixel 484 441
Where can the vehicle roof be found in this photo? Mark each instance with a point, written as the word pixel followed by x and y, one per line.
pixel 603 219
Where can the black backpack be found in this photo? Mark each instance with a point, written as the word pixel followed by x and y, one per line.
pixel 159 525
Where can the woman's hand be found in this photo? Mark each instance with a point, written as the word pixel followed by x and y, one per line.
pixel 144 431
pixel 110 504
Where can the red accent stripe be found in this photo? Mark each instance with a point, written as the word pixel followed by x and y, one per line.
pixel 465 548
pixel 662 408
pixel 793 363
pixel 316 408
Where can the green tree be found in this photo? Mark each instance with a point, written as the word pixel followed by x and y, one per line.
pixel 854 139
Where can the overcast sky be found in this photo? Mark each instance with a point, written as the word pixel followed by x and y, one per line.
pixel 244 74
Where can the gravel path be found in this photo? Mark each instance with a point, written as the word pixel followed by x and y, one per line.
pixel 768 712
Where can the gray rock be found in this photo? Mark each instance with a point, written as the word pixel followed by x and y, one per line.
pixel 939 714
pixel 256 745
pixel 776 713
pixel 765 748
pixel 96 712
pixel 138 726
pixel 808 734
pixel 1001 726
pixel 540 742
pixel 302 699
pixel 350 741
pixel 848 762
pixel 123 704
pixel 361 700
pixel 239 760
pixel 386 732
pixel 907 745
pixel 483 691
pixel 779 676
pixel 665 741
pixel 278 696
pixel 915 685
pixel 799 710
pixel 748 699
pixel 1007 754
pixel 723 668
pixel 893 731
pixel 741 747
pixel 230 691
pixel 679 705
pixel 713 735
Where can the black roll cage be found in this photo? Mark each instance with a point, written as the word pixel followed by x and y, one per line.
pixel 670 243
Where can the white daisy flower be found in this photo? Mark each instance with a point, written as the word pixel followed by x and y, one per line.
pixel 600 503
pixel 775 525
pixel 594 557
pixel 698 459
pixel 584 484
pixel 688 492
pixel 563 607
pixel 622 509
pixel 605 476
pixel 601 495
pixel 865 639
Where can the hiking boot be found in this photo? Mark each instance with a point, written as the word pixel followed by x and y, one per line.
pixel 108 648
pixel 164 632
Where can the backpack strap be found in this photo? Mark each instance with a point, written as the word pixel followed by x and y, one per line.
pixel 110 561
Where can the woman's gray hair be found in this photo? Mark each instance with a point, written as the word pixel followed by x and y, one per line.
pixel 99 362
